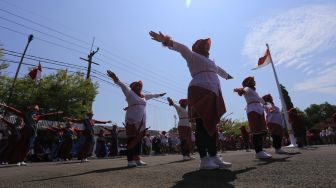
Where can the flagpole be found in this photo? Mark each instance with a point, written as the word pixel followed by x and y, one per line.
pixel 283 103
pixel 30 38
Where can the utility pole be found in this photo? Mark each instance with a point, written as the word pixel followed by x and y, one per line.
pixel 89 60
pixel 30 38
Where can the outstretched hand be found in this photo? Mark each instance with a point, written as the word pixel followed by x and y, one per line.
pixel 229 77
pixel 162 94
pixel 170 101
pixel 113 76
pixel 157 36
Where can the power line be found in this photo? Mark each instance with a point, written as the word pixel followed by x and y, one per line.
pixel 99 74
pixel 53 36
pixel 44 26
pixel 46 41
pixel 107 51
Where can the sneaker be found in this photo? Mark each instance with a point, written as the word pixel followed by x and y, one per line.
pixel 18 164
pixel 207 164
pixel 132 164
pixel 23 163
pixel 186 158
pixel 280 151
pixel 262 155
pixel 86 160
pixel 222 164
pixel 140 163
pixel 191 158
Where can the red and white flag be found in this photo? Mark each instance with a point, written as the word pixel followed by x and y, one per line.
pixel 36 73
pixel 264 60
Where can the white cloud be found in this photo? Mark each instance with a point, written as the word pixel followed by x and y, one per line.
pixel 324 83
pixel 303 38
pixel 294 36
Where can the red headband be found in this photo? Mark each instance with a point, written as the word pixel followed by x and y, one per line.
pixel 183 102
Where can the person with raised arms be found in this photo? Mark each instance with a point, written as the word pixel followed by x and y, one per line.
pixel 135 118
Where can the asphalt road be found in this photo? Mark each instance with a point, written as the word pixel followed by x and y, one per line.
pixel 310 167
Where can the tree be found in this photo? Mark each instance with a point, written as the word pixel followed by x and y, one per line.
pixel 3 65
pixel 287 98
pixel 231 127
pixel 58 91
pixel 320 113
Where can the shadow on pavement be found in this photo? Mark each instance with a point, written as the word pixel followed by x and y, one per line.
pixel 84 173
pixel 272 160
pixel 210 178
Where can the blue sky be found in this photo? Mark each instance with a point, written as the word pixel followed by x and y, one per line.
pixel 301 35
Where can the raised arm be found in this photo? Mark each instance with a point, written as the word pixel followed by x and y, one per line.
pixel 102 122
pixel 168 42
pixel 44 116
pixel 222 73
pixel 170 101
pixel 116 80
pixel 151 96
pixel 12 109
pixel 240 91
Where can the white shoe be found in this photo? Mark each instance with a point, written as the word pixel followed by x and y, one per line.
pixel 280 151
pixel 262 155
pixel 23 163
pixel 86 160
pixel 140 163
pixel 207 164
pixel 186 158
pixel 18 164
pixel 222 164
pixel 132 164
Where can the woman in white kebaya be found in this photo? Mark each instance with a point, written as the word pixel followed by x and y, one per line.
pixel 135 118
pixel 205 101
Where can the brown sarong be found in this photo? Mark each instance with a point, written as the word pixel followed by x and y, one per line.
pixel 257 123
pixel 185 134
pixel 275 129
pixel 208 106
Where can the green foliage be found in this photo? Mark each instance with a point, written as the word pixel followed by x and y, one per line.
pixel 55 92
pixel 320 113
pixel 173 130
pixel 3 65
pixel 287 98
pixel 231 127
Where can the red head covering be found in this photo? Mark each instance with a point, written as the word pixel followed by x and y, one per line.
pixel 292 111
pixel 199 46
pixel 268 98
pixel 248 82
pixel 183 102
pixel 133 86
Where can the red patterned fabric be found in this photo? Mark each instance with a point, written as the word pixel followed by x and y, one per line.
pixel 206 105
pixel 257 123
pixel 275 129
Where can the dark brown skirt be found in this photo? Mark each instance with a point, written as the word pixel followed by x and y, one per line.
pixel 208 106
pixel 275 129
pixel 257 123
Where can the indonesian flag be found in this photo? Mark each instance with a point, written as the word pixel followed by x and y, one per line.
pixel 36 73
pixel 264 60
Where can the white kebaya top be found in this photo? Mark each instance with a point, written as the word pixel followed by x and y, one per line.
pixel 203 71
pixel 273 114
pixel 254 102
pixel 136 111
pixel 183 116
